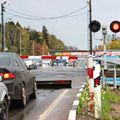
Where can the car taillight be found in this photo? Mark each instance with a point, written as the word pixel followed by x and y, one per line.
pixel 64 82
pixel 7 75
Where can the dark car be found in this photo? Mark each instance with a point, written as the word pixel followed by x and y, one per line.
pixel 20 81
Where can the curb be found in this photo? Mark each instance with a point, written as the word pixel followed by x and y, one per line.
pixel 72 113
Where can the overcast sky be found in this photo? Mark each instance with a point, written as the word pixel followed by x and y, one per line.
pixel 72 29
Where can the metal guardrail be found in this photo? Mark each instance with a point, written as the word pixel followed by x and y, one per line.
pixel 110 73
pixel 109 60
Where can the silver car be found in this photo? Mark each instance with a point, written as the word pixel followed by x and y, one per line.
pixel 4 101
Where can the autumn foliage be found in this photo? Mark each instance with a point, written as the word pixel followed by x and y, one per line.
pixel 43 41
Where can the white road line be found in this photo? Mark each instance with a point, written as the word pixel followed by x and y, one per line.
pixel 52 106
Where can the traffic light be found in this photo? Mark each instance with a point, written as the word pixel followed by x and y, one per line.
pixel 115 26
pixel 94 26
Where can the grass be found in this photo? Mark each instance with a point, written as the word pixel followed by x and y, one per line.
pixel 107 98
pixel 84 101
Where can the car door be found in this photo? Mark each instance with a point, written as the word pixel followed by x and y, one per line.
pixel 23 73
pixel 29 75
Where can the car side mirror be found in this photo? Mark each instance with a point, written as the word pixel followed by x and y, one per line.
pixel 31 67
pixel 1 78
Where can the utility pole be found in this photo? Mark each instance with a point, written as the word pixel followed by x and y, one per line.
pixel 2 27
pixel 90 12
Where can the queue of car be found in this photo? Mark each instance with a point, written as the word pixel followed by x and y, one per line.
pixel 30 63
pixel 18 82
pixel 33 63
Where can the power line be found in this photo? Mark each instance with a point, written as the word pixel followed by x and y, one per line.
pixel 22 13
pixel 44 18
pixel 78 14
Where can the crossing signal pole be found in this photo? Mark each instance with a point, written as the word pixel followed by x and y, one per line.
pixel 90 11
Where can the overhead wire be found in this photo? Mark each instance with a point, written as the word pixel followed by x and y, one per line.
pixel 78 14
pixel 22 13
pixel 42 18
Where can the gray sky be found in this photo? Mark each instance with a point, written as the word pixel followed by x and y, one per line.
pixel 72 30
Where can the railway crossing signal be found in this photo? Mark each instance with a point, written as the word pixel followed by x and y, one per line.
pixel 94 26
pixel 115 26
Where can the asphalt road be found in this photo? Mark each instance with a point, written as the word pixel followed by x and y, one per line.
pixel 51 104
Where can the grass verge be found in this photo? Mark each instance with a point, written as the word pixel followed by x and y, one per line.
pixel 108 97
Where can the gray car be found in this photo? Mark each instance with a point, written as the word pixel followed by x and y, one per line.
pixel 19 80
pixel 4 101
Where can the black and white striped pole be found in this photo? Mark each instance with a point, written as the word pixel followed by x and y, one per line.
pixel 97 89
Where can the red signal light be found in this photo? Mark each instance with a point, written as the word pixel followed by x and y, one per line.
pixel 115 26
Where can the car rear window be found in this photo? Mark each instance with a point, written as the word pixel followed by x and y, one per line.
pixel 4 60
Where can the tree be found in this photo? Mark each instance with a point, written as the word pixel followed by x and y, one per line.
pixel 101 47
pixel 39 49
pixel 18 24
pixel 34 35
pixel 26 43
pixel 11 23
pixel 12 36
pixel 52 42
pixel 45 35
pixel 114 45
pixel 41 39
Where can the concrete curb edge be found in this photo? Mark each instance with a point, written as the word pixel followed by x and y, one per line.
pixel 72 113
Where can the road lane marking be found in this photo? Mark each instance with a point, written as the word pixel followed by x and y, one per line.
pixel 52 106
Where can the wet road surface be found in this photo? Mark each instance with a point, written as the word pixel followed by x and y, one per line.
pixel 51 104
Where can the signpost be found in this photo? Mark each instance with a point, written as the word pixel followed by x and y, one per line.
pixel 97 89
pixel 95 27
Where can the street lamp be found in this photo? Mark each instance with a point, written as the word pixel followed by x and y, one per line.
pixel 43 49
pixel 33 47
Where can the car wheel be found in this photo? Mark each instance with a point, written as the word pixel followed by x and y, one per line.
pixel 23 100
pixel 34 95
pixel 4 111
